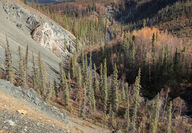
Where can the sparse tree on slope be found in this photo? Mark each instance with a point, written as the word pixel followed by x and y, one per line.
pixel 66 92
pixel 26 62
pixel 21 71
pixel 35 75
pixel 83 102
pixel 56 89
pixel 42 76
pixel 9 71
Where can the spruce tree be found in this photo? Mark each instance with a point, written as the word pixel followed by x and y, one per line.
pixel 50 92
pixel 95 81
pixel 69 80
pixel 56 89
pixel 35 75
pixel 72 67
pixel 137 87
pixel 83 102
pixel 156 115
pixel 169 125
pixel 91 90
pixel 114 90
pixel 127 117
pixel 42 76
pixel 66 91
pixel 101 79
pixel 21 71
pixel 61 77
pixel 85 72
pixel 9 71
pixel 105 87
pixel 79 78
pixel 123 95
pixel 26 62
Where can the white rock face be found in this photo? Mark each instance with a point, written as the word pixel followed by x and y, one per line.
pixel 54 41
pixel 44 35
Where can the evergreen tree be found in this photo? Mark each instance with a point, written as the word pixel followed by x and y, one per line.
pixel 72 67
pixel 35 75
pixel 79 78
pixel 85 72
pixel 61 78
pixel 123 95
pixel 114 90
pixel 21 71
pixel 169 119
pixel 101 79
pixel 137 87
pixel 132 52
pixel 104 88
pixel 127 117
pixel 114 122
pixel 26 63
pixel 156 115
pixel 91 90
pixel 66 91
pixel 42 76
pixel 56 89
pixel 95 81
pixel 9 71
pixel 50 92
pixel 83 102
pixel 69 80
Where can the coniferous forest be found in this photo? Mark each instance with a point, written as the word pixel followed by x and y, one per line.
pixel 130 72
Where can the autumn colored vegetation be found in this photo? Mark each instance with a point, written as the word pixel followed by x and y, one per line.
pixel 138 82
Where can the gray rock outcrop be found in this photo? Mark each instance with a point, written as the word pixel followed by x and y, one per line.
pixel 31 97
pixel 43 30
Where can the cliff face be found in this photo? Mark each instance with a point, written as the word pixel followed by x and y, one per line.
pixel 24 26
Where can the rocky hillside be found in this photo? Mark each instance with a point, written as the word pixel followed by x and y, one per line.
pixel 23 27
pixel 24 111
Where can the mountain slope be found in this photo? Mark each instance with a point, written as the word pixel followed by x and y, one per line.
pixel 24 26
pixel 18 24
pixel 171 15
pixel 24 111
